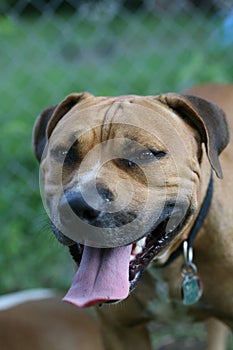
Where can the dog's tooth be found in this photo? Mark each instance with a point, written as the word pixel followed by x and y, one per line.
pixel 137 250
pixel 142 242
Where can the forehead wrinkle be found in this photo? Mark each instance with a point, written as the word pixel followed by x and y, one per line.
pixel 108 119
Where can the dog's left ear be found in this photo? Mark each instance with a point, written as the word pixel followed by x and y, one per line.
pixel 49 118
pixel 205 116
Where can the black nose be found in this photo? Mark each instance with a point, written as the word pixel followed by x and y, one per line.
pixel 80 207
pixel 75 201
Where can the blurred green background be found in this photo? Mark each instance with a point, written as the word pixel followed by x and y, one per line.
pixel 51 48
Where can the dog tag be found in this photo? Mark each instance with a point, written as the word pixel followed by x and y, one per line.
pixel 191 285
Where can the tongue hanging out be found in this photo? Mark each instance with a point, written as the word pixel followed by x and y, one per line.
pixel 103 275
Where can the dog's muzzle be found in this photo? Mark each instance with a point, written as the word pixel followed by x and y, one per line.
pixel 89 213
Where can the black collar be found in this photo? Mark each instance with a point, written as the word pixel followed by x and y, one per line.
pixel 197 224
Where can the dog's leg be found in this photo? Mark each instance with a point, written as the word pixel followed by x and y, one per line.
pixel 217 334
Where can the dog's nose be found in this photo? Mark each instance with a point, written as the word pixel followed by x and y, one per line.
pixel 80 206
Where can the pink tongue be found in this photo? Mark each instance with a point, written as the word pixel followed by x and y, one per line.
pixel 103 275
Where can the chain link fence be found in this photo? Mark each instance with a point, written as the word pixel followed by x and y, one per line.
pixel 51 48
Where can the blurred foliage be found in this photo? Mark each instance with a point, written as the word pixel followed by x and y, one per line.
pixel 42 59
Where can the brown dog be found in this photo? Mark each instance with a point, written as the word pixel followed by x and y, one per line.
pixel 37 319
pixel 142 175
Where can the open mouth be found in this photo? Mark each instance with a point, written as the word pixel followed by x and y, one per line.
pixel 147 248
pixel 107 275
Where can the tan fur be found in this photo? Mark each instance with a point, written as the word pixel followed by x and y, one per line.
pixel 48 324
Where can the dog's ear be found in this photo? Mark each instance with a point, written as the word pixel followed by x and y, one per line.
pixel 205 116
pixel 39 131
pixel 49 118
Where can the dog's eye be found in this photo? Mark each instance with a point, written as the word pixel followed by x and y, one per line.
pixel 59 153
pixel 142 158
pixel 64 155
pixel 126 163
pixel 147 156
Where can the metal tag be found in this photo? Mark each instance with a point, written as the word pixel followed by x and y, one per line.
pixel 191 286
pixel 191 289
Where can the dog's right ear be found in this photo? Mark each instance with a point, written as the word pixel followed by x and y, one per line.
pixel 48 120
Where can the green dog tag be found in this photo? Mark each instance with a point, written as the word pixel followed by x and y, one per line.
pixel 191 289
pixel 191 286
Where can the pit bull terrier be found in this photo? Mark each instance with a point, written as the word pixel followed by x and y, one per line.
pixel 134 184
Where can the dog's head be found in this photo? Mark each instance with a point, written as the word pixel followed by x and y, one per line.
pixel 123 178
